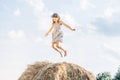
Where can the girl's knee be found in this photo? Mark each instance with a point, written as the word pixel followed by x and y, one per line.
pixel 53 45
pixel 57 46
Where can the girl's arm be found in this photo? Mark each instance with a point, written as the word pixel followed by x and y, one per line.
pixel 49 31
pixel 67 26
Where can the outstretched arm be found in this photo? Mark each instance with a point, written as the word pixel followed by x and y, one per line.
pixel 67 26
pixel 49 31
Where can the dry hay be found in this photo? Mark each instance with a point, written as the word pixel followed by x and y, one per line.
pixel 56 71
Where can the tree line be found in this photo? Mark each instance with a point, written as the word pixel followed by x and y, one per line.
pixel 107 75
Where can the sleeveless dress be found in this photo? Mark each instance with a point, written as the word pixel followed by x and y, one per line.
pixel 57 34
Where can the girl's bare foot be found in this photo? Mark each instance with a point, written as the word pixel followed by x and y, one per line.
pixel 65 53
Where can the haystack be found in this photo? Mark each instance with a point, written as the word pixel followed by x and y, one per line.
pixel 56 71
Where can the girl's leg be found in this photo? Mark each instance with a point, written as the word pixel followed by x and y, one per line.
pixel 58 46
pixel 53 46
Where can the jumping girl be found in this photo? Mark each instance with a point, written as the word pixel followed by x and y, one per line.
pixel 57 34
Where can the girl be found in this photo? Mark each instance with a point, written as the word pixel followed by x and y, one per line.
pixel 57 34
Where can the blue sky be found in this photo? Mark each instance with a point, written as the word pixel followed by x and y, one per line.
pixel 95 45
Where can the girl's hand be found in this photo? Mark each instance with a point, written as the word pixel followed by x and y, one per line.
pixel 46 34
pixel 73 29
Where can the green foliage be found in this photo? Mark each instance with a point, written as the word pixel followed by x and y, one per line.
pixel 117 76
pixel 104 76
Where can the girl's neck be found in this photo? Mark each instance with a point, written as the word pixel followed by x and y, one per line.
pixel 56 23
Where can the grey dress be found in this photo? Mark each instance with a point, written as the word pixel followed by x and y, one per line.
pixel 57 34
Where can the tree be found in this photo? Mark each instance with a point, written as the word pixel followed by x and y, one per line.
pixel 104 76
pixel 117 76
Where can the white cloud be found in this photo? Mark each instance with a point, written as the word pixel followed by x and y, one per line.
pixel 91 28
pixel 17 12
pixel 111 51
pixel 43 21
pixel 17 35
pixel 69 19
pixel 85 4
pixel 38 40
pixel 108 47
pixel 108 12
pixel 112 59
pixel 37 4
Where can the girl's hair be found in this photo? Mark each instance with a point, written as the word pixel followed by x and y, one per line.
pixel 55 15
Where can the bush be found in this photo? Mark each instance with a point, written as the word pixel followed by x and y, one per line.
pixel 117 76
pixel 104 76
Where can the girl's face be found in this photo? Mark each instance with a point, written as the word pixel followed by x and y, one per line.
pixel 55 19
